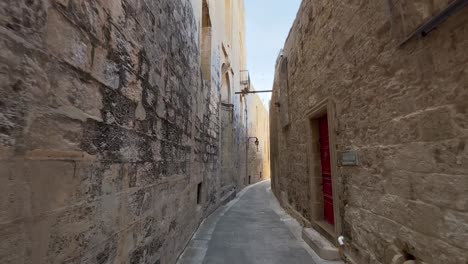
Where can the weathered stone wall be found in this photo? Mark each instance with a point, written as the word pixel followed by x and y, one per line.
pixel 402 108
pixel 232 57
pixel 106 130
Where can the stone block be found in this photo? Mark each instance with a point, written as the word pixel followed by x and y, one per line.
pixel 394 255
pixel 110 218
pixel 391 231
pixel 6 153
pixel 55 132
pixel 14 245
pixel 132 89
pixel 320 244
pixel 455 228
pixel 413 214
pixel 53 185
pixel 123 49
pixel 112 179
pixel 436 124
pixel 118 109
pixel 447 191
pixel 146 174
pixel 104 253
pixel 432 251
pixel 113 8
pixel 75 97
pixel 139 204
pixel 398 259
pixel 25 18
pixel 14 202
pixel 24 82
pixel 67 42
pixel 88 15
pixel 64 235
pixel 13 171
pixel 437 157
pixel 104 69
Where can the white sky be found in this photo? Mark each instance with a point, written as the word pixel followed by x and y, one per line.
pixel 267 24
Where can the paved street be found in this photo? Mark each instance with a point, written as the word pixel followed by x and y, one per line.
pixel 251 229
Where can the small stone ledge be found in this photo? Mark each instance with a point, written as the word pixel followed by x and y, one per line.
pixel 6 153
pixel 228 197
pixel 223 201
pixel 320 244
pixel 46 154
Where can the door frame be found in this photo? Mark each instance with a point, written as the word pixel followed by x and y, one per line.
pixel 314 169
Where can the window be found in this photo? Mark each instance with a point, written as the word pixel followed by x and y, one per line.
pixel 199 193
pixel 226 89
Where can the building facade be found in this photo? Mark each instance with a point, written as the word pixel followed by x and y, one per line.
pixel 369 128
pixel 258 142
pixel 120 129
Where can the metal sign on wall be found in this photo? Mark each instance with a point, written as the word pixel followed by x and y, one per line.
pixel 349 158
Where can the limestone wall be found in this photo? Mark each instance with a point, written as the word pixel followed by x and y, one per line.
pixel 107 129
pixel 258 126
pixel 403 109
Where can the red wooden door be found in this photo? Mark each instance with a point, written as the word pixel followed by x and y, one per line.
pixel 326 170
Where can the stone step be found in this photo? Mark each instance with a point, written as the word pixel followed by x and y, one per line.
pixel 320 244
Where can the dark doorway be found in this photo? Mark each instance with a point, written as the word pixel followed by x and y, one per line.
pixel 326 170
pixel 199 193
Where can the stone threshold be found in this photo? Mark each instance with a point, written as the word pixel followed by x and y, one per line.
pixel 297 225
pixel 324 248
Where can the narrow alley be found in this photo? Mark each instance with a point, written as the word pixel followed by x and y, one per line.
pixel 233 132
pixel 250 229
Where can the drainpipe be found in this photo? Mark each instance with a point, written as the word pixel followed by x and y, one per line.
pixel 247 144
pixel 341 240
pixel 246 163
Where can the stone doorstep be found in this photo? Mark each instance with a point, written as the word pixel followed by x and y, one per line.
pixel 320 244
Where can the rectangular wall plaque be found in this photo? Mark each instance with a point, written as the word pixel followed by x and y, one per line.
pixel 349 158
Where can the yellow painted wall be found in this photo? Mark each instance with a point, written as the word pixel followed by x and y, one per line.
pixel 240 116
pixel 258 126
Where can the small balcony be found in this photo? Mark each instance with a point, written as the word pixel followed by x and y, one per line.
pixel 245 80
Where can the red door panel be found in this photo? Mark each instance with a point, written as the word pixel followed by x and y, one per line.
pixel 326 170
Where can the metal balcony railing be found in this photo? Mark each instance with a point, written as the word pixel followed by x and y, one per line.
pixel 245 80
